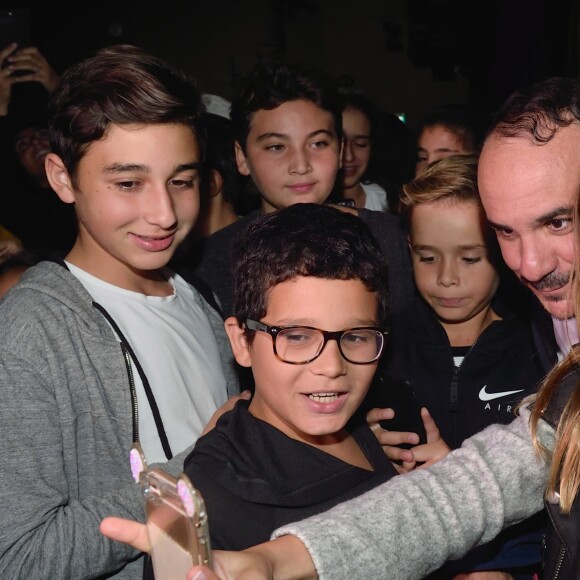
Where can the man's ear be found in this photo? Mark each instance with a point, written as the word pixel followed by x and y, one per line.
pixel 58 178
pixel 238 342
pixel 241 160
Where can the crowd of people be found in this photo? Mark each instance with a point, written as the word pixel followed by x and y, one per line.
pixel 359 388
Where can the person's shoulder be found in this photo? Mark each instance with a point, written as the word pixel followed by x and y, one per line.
pixel 46 300
pixel 199 286
pixel 46 278
pixel 229 233
pixel 229 431
pixel 379 218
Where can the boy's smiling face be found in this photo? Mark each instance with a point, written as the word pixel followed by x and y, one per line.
pixel 292 154
pixel 137 197
pixel 284 392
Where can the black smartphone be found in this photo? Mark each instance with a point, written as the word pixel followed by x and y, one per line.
pixel 389 390
pixel 15 27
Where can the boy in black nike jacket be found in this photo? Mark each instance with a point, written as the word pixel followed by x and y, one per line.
pixel 467 355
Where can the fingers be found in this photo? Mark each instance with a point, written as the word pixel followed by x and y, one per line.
pixel 376 415
pixel 126 531
pixel 31 65
pixel 390 438
pixel 9 248
pixel 431 453
pixel 386 437
pixel 431 429
pixel 8 49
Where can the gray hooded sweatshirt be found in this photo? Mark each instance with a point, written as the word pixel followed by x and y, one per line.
pixel 66 431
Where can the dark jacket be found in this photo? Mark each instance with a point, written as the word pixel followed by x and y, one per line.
pixel 561 553
pixel 254 478
pixel 211 257
pixel 499 369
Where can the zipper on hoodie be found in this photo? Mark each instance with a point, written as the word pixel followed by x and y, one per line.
pixel 454 388
pixel 130 357
pixel 133 391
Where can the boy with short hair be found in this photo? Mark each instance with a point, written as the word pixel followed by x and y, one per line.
pixel 288 127
pixel 466 352
pixel 108 347
pixel 310 307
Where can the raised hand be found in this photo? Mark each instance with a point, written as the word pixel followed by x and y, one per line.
pixel 434 450
pixel 406 460
pixel 6 79
pixel 31 65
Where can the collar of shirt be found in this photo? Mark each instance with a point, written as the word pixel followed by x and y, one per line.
pixel 566 333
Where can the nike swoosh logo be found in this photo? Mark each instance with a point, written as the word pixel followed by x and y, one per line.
pixel 485 396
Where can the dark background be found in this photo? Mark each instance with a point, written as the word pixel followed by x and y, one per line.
pixel 408 55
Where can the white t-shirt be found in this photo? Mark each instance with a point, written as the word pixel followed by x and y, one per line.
pixel 175 344
pixel 376 197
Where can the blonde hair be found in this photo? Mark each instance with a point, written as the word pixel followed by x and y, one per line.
pixel 564 476
pixel 452 178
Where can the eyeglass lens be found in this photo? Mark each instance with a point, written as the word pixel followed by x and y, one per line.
pixel 304 344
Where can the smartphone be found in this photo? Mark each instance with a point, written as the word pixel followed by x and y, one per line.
pixel 176 520
pixel 15 27
pixel 389 390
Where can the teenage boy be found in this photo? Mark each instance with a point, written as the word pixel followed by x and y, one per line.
pixel 108 347
pixel 287 124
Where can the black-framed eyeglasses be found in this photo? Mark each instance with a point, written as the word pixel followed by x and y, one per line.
pixel 298 345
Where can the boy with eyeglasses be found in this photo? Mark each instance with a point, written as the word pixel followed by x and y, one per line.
pixel 310 295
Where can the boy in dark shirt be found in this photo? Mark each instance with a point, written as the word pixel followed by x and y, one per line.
pixel 287 124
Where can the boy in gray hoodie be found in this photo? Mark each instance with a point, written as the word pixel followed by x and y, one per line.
pixel 109 346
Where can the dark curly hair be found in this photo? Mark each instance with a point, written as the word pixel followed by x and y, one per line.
pixel 305 239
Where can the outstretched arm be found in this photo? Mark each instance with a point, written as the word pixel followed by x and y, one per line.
pixel 431 515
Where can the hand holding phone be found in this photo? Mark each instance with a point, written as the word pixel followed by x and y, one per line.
pixel 176 520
